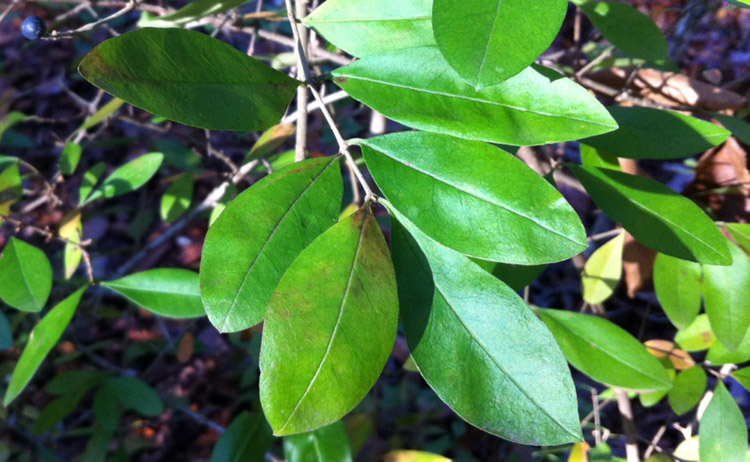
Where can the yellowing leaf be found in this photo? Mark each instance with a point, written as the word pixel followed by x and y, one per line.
pixel 414 456
pixel 579 453
pixel 680 359
pixel 603 271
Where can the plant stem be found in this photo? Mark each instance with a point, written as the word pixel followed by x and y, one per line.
pixel 300 148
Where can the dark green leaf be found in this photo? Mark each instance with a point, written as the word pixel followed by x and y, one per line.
pixel 451 312
pixel 605 352
pixel 57 410
pixel 678 284
pixel 137 395
pixel 689 387
pixel 338 302
pixel 25 276
pixel 739 127
pixel 107 408
pixel 258 236
pixel 98 445
pixel 723 431
pixel 43 338
pixel 6 333
pixel 127 178
pixel 71 381
pixel 170 292
pixel 647 133
pixel 352 24
pixel 327 444
pixel 190 78
pixel 655 215
pixel 71 155
pixel 516 276
pixel 417 87
pixel 726 290
pixel 489 41
pixel 176 200
pixel 246 439
pixel 627 28
pixel 508 213
pixel 591 157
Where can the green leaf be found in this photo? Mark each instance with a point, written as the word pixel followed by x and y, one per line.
pixel 516 276
pixel 739 127
pixel 414 456
pixel 656 216
pixel 327 444
pixel 170 292
pixel 246 439
pixel 69 382
pixel 270 140
pixel 417 88
pixel 25 276
pixel 338 301
pixel 137 395
pixel 723 431
pixel 603 271
pixel 605 352
pixel 224 89
pixel 127 178
pixel 43 338
pixel 260 233
pixel 101 115
pixel 11 188
pixel 678 284
pixel 194 11
pixel 697 336
pixel 6 333
pixel 107 408
pixel 689 387
pixel 176 200
pixel 647 133
pixel 451 313
pixel 230 193
pixel 651 399
pixel 743 377
pixel 57 410
pixel 718 354
pixel 591 157
pixel 71 155
pixel 427 177
pixel 627 28
pixel 90 180
pixel 726 290
pixel 11 119
pixel 352 24
pixel 489 41
pixel 741 234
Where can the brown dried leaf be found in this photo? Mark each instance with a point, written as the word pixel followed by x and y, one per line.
pixel 680 359
pixel 638 264
pixel 186 348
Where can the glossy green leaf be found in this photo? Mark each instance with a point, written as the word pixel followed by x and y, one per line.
pixel 697 336
pixel 726 290
pixel 591 157
pixel 176 200
pixel 739 127
pixel 195 10
pixel 327 444
pixel 246 439
pixel 417 88
pixel 741 234
pixel 90 180
pixel 689 387
pixel 260 233
pixel 718 354
pixel 137 395
pixel 338 301
pixel 605 352
pixel 25 276
pixel 647 133
pixel 191 78
pixel 71 155
pixel 508 213
pixel 678 284
pixel 352 24
pixel 458 318
pixel 627 28
pixel 743 377
pixel 43 338
pixel 603 271
pixel 655 215
pixel 127 178
pixel 170 292
pixel 516 276
pixel 489 41
pixel 723 431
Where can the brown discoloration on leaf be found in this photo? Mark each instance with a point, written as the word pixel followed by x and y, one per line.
pixel 638 265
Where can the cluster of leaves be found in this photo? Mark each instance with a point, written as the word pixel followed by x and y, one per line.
pixel 463 208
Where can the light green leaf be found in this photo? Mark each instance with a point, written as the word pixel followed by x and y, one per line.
pixel 176 200
pixel 71 155
pixel 718 354
pixel 489 41
pixel 414 456
pixel 428 177
pixel 260 233
pixel 246 439
pixel 338 301
pixel 25 276
pixel 723 431
pixel 605 352
pixel 678 284
pixel 90 180
pixel 327 444
pixel 655 215
pixel 193 11
pixel 627 28
pixel 591 157
pixel 743 377
pixel 224 89
pixel 726 290
pixel 127 178
pixel 101 115
pixel 647 133
pixel 741 234
pixel 697 336
pixel 43 338
pixel 452 314
pixel 689 387
pixel 417 88
pixel 170 292
pixel 11 189
pixel 352 24
pixel 651 399
pixel 603 271
pixel 137 395
pixel 270 140
pixel 72 257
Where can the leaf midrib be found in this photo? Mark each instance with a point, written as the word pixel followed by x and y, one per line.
pixel 24 278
